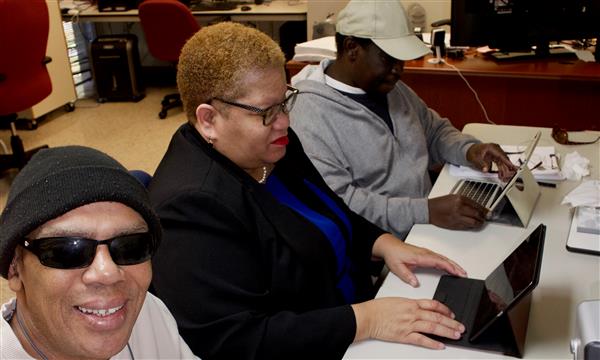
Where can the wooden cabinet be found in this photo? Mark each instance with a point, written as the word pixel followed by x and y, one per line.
pixel 542 92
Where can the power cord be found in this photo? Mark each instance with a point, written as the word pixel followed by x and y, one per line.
pixel 438 59
pixel 4 148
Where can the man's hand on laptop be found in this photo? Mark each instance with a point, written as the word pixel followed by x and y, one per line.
pixel 456 212
pixel 482 156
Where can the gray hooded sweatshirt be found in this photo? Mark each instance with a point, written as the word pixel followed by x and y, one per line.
pixel 381 175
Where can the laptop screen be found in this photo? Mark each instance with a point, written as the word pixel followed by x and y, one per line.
pixel 514 278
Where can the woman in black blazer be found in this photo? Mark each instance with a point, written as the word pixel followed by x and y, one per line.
pixel 260 259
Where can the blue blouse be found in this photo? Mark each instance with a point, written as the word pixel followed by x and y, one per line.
pixel 327 226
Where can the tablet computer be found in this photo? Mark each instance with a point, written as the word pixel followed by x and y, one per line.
pixel 514 278
pixel 511 182
pixel 491 194
pixel 478 304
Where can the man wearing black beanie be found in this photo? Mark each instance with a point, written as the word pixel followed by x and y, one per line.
pixel 76 238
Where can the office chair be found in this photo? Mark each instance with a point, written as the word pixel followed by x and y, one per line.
pixel 167 25
pixel 24 79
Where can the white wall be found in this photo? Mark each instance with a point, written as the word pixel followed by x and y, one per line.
pixel 318 10
pixel 434 9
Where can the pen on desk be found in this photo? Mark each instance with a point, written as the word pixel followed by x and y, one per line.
pixel 555 158
pixel 540 183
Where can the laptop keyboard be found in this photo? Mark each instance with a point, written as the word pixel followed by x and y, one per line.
pixel 477 191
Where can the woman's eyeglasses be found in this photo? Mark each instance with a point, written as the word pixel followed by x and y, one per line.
pixel 561 136
pixel 269 114
pixel 72 252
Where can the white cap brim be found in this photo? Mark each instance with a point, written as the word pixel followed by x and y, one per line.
pixel 404 48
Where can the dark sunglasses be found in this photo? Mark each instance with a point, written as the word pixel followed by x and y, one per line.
pixel 561 136
pixel 72 252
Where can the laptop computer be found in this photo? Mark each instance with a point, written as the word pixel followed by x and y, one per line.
pixel 511 203
pixel 483 306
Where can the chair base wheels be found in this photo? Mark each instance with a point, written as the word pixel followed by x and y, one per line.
pixel 19 157
pixel 20 124
pixel 69 106
pixel 169 102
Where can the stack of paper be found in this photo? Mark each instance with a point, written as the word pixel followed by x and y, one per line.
pixel 588 219
pixel 583 236
pixel 544 162
pixel 316 50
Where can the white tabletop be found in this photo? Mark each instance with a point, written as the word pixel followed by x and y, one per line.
pixel 566 278
pixel 276 10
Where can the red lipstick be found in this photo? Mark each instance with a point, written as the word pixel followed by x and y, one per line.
pixel 281 141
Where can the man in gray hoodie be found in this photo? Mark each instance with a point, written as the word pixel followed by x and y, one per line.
pixel 372 138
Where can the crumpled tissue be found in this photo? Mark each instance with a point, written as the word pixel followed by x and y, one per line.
pixel 575 166
pixel 586 194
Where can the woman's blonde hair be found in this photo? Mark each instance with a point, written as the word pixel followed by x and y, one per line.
pixel 214 61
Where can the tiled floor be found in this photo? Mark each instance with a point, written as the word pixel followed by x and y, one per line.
pixel 130 132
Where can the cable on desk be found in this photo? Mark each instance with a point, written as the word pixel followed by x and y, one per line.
pixel 3 146
pixel 487 118
pixel 78 7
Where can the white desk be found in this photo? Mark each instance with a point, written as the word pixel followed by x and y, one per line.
pixel 566 278
pixel 277 10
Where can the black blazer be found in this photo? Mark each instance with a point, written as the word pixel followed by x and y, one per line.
pixel 245 276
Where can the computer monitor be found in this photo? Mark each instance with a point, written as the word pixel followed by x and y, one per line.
pixel 517 25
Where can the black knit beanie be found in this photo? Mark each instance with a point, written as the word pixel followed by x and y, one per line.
pixel 58 180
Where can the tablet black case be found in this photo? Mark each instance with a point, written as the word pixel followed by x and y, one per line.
pixel 506 335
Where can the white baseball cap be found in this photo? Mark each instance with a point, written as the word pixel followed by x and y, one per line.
pixel 385 23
